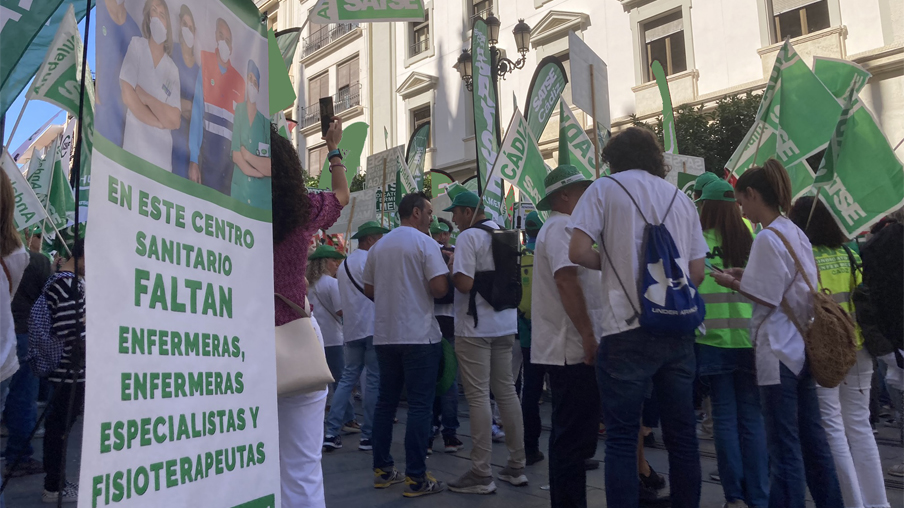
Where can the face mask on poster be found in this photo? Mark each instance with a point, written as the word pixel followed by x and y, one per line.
pixel 223 48
pixel 188 37
pixel 158 30
pixel 252 94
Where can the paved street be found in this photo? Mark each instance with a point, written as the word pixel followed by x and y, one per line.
pixel 348 474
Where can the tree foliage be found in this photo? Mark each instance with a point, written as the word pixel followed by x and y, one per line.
pixel 713 135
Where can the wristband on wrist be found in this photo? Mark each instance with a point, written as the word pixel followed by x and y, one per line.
pixel 337 166
pixel 334 153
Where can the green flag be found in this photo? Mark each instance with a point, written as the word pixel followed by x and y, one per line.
pixel 520 161
pixel 282 126
pixel 669 139
pixel 439 181
pixel 28 210
pixel 287 40
pixel 282 93
pixel 579 145
pixel 39 175
pixel 416 153
pixel 351 147
pixel 58 81
pixel 485 112
pixel 826 173
pixel 838 75
pixel 60 201
pixel 27 28
pixel 362 11
pixel 546 86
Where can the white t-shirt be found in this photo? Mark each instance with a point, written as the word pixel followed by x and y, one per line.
pixel 771 275
pixel 606 211
pixel 554 338
pixel 474 253
pixel 357 309
pixel 326 301
pixel 162 82
pixel 400 267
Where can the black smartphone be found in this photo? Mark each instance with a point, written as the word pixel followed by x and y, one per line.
pixel 326 114
pixel 711 267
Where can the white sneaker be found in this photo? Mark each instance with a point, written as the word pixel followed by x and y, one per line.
pixel 498 434
pixel 69 494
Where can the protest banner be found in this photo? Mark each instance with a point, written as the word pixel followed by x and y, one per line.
pixel 546 86
pixel 28 210
pixel 520 161
pixel 590 89
pixel 26 30
pixel 351 147
pixel 416 153
pixel 364 11
pixel 683 170
pixel 365 210
pixel 489 186
pixel 180 408
pixel 580 147
pixel 669 137
pixel 58 82
pixel 387 163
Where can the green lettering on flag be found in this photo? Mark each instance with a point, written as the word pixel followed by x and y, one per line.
pixel 669 138
pixel 546 86
pixel 520 162
pixel 28 209
pixel 485 112
pixel 838 75
pixel 363 11
pixel 580 147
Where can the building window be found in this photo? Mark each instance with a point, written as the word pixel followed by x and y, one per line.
pixel 347 87
pixel 794 18
pixel 419 116
pixel 664 39
pixel 319 87
pixel 481 8
pixel 316 158
pixel 420 35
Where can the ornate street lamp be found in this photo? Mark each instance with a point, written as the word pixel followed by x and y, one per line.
pixel 463 66
pixel 501 66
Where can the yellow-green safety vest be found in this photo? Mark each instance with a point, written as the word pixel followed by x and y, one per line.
pixel 835 275
pixel 727 312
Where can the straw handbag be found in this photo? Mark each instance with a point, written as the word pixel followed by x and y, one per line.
pixel 300 362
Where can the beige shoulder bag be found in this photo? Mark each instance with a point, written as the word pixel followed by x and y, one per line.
pixel 300 362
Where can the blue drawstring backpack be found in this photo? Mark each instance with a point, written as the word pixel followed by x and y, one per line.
pixel 670 303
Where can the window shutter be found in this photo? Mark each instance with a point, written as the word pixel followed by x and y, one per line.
pixel 353 71
pixel 666 26
pixel 783 6
pixel 342 76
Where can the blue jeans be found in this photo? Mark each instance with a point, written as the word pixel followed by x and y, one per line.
pixel 414 366
pixel 738 429
pixel 626 363
pixel 798 449
pixel 358 355
pixel 21 405
pixel 335 360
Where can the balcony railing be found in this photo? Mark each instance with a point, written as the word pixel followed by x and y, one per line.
pixel 325 36
pixel 347 98
pixel 419 47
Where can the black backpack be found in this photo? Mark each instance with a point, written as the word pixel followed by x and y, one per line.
pixel 501 288
pixel 883 274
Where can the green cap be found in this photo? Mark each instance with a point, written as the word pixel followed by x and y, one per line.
pixel 559 178
pixel 325 251
pixel 466 199
pixel 717 190
pixel 370 227
pixel 705 179
pixel 532 222
pixel 438 227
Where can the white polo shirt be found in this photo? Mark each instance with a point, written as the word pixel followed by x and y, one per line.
pixel 554 338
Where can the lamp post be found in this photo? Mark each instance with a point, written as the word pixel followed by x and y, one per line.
pixel 501 66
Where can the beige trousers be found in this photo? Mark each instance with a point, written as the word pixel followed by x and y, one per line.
pixel 485 364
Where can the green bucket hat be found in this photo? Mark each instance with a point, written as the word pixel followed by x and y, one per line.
pixel 326 251
pixel 558 179
pixel 717 190
pixel 466 199
pixel 532 222
pixel 370 227
pixel 438 227
pixel 705 179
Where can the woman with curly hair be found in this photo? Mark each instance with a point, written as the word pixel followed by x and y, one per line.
pixel 297 215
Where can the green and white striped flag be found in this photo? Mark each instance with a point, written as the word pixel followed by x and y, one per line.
pixel 669 137
pixel 826 173
pixel 28 210
pixel 580 146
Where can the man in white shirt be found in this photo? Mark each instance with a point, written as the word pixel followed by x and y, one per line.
pixel 565 305
pixel 483 346
pixel 403 273
pixel 612 213
pixel 358 329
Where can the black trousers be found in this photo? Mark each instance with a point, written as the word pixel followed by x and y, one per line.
pixel 575 425
pixel 532 390
pixel 55 427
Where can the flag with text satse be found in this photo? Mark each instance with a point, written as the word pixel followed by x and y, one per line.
pixel 859 194
pixel 58 82
pixel 485 112
pixel 520 161
pixel 669 138
pixel 26 29
pixel 546 86
pixel 838 75
pixel 28 210
pixel 580 147
pixel 367 11
pixel 416 153
pixel 60 202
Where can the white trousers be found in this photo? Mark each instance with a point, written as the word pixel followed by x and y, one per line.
pixel 300 443
pixel 845 416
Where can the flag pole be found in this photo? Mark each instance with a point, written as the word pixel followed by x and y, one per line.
pixel 383 198
pixel 898 145
pixel 596 142
pixel 812 209
pixel 16 125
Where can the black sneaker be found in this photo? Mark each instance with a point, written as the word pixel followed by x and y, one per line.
pixel 533 456
pixel 650 497
pixel 331 443
pixel 452 443
pixel 591 464
pixel 655 481
pixel 364 445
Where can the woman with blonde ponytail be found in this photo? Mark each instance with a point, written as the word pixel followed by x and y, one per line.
pixel 780 258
